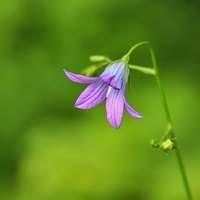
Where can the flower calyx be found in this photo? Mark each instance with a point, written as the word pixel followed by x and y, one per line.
pixel 165 145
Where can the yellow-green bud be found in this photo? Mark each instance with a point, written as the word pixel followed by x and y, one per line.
pixel 168 144
pixel 152 142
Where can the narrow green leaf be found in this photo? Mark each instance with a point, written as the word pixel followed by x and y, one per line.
pixel 145 70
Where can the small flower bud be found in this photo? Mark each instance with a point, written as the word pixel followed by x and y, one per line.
pixel 168 144
pixel 152 142
pixel 97 58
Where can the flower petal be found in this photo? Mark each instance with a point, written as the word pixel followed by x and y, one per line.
pixel 77 78
pixel 115 108
pixel 93 95
pixel 131 111
pixel 110 80
pixel 117 70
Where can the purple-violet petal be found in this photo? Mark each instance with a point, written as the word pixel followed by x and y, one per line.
pixel 115 108
pixel 131 111
pixel 93 95
pixel 110 81
pixel 77 78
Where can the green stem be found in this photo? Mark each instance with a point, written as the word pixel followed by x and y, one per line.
pixel 178 155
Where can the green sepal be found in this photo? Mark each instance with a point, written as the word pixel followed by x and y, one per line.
pixel 146 70
pixel 90 70
pixel 99 58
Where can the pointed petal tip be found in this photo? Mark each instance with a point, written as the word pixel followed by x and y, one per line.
pixel 81 107
pixel 136 115
pixel 114 122
pixel 140 117
pixel 116 126
pixel 75 106
pixel 66 72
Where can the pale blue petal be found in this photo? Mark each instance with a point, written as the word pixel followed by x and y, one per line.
pixel 118 71
pixel 77 78
pixel 93 95
pixel 115 108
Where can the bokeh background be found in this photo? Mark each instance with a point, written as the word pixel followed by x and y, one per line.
pixel 51 150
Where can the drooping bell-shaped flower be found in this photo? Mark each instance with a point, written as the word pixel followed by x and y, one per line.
pixel 110 85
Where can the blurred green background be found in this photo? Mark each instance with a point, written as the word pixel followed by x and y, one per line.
pixel 51 150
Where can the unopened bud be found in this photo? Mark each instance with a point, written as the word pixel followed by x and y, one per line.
pixel 168 144
pixel 152 142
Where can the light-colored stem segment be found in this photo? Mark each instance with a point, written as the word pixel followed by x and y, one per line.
pixel 171 132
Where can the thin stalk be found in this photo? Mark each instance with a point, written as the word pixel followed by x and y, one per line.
pixel 178 155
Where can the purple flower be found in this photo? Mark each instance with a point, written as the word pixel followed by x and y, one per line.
pixel 110 85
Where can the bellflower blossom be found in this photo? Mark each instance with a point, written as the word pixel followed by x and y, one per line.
pixel 110 85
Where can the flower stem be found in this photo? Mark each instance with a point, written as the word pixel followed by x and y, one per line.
pixel 171 132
